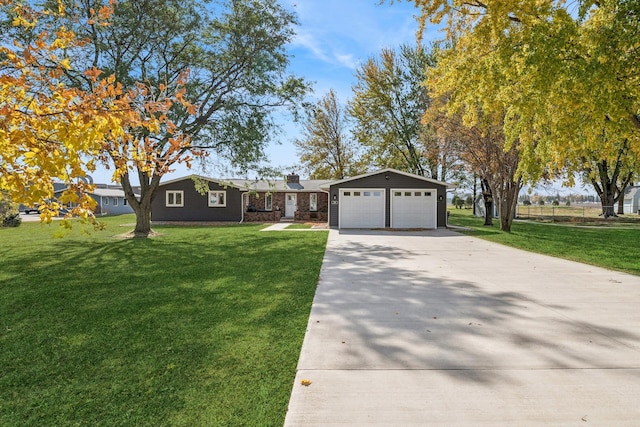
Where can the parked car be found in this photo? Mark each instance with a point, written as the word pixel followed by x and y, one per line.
pixel 34 208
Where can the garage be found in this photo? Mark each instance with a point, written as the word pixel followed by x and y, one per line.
pixel 362 208
pixel 413 208
pixel 387 198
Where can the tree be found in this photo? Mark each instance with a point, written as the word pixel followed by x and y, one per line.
pixel 564 73
pixel 610 180
pixel 325 150
pixel 481 147
pixel 457 201
pixel 48 129
pixel 389 100
pixel 213 76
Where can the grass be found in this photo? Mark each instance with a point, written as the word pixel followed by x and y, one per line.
pixel 299 227
pixel 201 326
pixel 608 247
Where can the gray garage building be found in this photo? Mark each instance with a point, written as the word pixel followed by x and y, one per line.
pixel 387 198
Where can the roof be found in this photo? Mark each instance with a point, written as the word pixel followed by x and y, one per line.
pixel 281 185
pixel 108 192
pixel 105 192
pixel 365 175
pixel 272 185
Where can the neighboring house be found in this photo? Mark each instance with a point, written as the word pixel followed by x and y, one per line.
pixel 109 201
pixel 241 200
pixel 631 201
pixel 386 198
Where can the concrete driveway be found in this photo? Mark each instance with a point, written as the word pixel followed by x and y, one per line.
pixel 437 328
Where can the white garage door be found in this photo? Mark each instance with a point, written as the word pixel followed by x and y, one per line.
pixel 413 208
pixel 361 208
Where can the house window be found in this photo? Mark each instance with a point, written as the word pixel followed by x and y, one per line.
pixel 418 193
pixel 313 202
pixel 407 193
pixel 356 194
pixel 115 201
pixel 217 199
pixel 125 202
pixel 175 199
pixel 367 194
pixel 268 202
pixel 347 193
pixel 377 194
pixel 397 193
pixel 105 201
pixel 428 193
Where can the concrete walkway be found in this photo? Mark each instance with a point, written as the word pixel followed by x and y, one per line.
pixel 437 328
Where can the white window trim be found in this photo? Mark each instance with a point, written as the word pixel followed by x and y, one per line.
pixel 311 197
pixel 115 201
pixel 217 205
pixel 105 200
pixel 268 198
pixel 174 205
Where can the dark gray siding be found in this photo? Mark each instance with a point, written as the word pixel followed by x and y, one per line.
pixel 196 205
pixel 395 181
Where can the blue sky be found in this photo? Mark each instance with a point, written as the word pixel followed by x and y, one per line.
pixel 333 38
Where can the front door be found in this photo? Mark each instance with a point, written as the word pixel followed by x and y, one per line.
pixel 291 205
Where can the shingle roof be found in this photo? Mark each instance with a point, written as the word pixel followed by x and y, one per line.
pixel 281 185
pixel 272 185
pixel 105 192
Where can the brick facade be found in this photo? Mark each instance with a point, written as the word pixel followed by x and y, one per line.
pixel 257 213
pixel 273 216
pixel 305 214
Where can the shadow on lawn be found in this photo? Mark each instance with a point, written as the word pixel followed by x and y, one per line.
pixel 201 323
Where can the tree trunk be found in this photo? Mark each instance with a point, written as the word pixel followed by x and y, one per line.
pixel 143 221
pixel 621 205
pixel 142 207
pixel 488 202
pixel 606 184
pixel 508 201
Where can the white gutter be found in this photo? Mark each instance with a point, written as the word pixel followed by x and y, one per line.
pixel 242 206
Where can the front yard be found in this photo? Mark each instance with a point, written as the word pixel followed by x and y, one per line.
pixel 201 326
pixel 614 246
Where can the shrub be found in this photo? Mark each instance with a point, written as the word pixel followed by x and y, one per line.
pixel 12 221
pixel 9 211
pixel 556 203
pixel 527 203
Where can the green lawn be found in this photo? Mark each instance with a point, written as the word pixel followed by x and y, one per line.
pixel 200 326
pixel 299 227
pixel 610 247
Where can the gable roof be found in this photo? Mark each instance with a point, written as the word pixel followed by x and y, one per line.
pixel 387 170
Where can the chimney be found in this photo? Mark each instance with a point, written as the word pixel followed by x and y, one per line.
pixel 293 178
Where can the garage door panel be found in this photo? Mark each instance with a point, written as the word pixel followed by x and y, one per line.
pixel 413 208
pixel 361 208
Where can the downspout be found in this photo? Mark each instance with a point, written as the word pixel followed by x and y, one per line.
pixel 242 207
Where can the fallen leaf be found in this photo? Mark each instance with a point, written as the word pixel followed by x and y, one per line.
pixel 305 383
